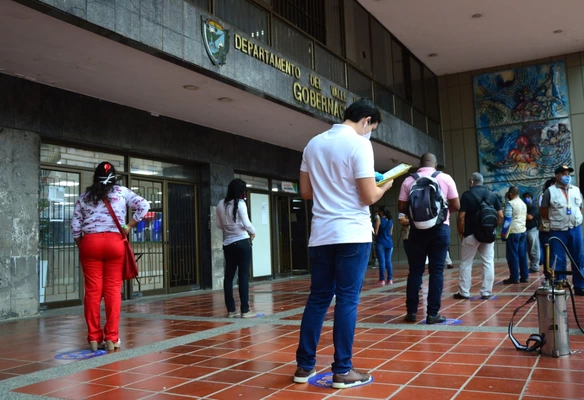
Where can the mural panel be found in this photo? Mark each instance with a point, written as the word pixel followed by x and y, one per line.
pixel 519 95
pixel 524 151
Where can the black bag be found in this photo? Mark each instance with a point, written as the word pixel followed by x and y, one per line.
pixel 486 219
pixel 427 205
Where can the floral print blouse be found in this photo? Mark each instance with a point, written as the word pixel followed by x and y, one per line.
pixel 90 218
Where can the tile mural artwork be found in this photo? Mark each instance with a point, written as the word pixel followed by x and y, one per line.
pixel 523 129
pixel 519 95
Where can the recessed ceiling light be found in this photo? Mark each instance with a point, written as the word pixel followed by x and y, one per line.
pixel 433 55
pixel 477 16
pixel 225 99
pixel 558 31
pixel 190 87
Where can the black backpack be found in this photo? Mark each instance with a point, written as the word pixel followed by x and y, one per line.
pixel 486 219
pixel 427 205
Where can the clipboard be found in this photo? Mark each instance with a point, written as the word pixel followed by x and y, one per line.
pixel 395 172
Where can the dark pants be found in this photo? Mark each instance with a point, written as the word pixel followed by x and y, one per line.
pixel 517 256
pixel 572 238
pixel 237 258
pixel 336 269
pixel 543 239
pixel 432 243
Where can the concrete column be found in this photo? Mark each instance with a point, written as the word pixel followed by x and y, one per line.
pixel 19 223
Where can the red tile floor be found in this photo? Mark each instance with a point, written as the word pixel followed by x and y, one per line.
pixel 181 347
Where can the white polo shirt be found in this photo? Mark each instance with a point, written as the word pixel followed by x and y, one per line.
pixel 334 161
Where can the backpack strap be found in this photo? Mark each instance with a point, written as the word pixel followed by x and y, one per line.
pixel 415 175
pixel 435 174
pixel 537 340
pixel 476 196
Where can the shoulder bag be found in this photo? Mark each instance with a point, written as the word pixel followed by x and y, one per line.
pixel 130 269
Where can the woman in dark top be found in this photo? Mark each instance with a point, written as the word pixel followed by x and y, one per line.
pixel 384 245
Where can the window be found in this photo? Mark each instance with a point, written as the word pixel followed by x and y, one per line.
pixel 403 110
pixel 247 17
pixel 291 42
pixel 52 154
pixel 419 120
pixel 398 85
pixel 357 43
pixel 383 98
pixel 417 83
pixel 329 66
pixel 434 129
pixel 431 90
pixel 333 25
pixel 382 68
pixel 359 84
pixel 202 4
pixel 307 15
pixel 254 182
pixel 140 166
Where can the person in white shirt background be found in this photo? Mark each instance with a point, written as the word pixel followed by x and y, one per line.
pixel 238 233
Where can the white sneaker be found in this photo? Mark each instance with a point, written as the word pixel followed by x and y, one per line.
pixel 232 314
pixel 249 314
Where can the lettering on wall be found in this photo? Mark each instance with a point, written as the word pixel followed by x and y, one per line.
pixel 310 94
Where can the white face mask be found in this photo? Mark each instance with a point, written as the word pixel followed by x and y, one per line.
pixel 366 135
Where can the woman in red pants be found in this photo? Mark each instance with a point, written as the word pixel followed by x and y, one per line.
pixel 101 250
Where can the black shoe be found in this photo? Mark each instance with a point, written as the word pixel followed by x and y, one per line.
pixel 533 271
pixel 510 282
pixel 458 296
pixel 410 317
pixel 579 292
pixel 485 297
pixel 450 266
pixel 523 280
pixel 436 319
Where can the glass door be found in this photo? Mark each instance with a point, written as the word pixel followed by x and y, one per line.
pixel 282 239
pixel 299 235
pixel 181 237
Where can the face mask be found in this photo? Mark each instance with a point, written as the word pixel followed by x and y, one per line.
pixel 566 180
pixel 366 135
pixel 527 201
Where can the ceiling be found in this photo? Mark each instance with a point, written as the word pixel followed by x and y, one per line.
pixel 44 49
pixel 509 31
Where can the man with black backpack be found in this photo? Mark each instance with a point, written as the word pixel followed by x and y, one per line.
pixel 478 217
pixel 427 197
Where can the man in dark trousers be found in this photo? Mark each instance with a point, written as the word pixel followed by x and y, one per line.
pixel 532 226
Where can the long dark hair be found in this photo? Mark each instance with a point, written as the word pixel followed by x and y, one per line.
pixel 385 211
pixel 235 191
pixel 104 179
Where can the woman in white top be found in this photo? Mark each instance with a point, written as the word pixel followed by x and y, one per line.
pixel 238 232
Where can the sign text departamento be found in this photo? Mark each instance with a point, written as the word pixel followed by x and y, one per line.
pixel 303 94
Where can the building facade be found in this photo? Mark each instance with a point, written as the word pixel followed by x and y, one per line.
pixel 182 96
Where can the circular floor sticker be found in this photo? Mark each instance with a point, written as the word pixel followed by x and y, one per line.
pixel 80 354
pixel 326 380
pixel 449 321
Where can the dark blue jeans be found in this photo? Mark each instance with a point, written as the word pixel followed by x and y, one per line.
pixel 384 258
pixel 237 258
pixel 543 239
pixel 516 255
pixel 339 270
pixel 432 243
pixel 572 238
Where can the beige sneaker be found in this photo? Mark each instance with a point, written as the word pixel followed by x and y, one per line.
pixel 249 314
pixel 232 314
pixel 351 379
pixel 111 346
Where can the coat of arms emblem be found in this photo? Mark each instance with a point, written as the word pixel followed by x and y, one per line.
pixel 216 41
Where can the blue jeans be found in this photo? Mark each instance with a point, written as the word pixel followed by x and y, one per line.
pixel 572 238
pixel 337 269
pixel 432 243
pixel 384 258
pixel 516 254
pixel 543 239
pixel 237 258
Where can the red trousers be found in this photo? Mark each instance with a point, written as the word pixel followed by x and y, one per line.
pixel 102 257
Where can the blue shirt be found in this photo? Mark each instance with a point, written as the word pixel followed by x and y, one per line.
pixel 384 233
